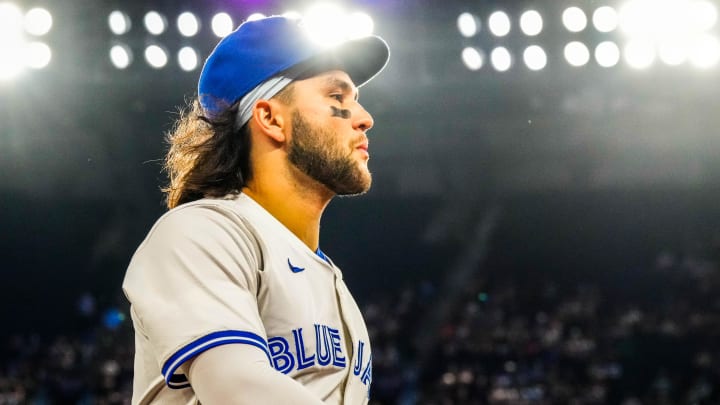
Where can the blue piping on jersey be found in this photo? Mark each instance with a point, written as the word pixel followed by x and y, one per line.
pixel 322 255
pixel 202 344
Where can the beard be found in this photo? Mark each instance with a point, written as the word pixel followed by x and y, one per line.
pixel 315 152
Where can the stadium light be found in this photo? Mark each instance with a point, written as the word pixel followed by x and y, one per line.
pixel 292 14
pixel 38 21
pixel 255 16
pixel 576 53
pixel 156 56
pixel 637 18
pixel 121 56
pixel 705 51
pixel 531 23
pixel 11 41
pixel 188 59
pixel 639 53
pixel 119 22
pixel 605 19
pixel 327 24
pixel 672 51
pixel 535 57
pixel 499 23
pixel 222 24
pixel 607 54
pixel 359 25
pixel 501 59
pixel 37 55
pixel 324 22
pixel 188 24
pixel 472 58
pixel 10 64
pixel 574 19
pixel 11 21
pixel 467 25
pixel 155 22
pixel 703 15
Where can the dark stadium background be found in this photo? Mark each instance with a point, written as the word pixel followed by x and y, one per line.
pixel 500 200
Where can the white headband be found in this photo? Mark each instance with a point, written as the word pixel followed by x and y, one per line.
pixel 263 91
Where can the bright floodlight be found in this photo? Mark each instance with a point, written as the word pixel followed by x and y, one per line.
pixel 118 22
pixel 255 16
pixel 531 23
pixel 188 24
pixel 607 54
pixel 501 59
pixel 672 51
pixel 472 58
pixel 187 59
pixel 705 52
pixel 37 55
pixel 120 56
pixel 155 23
pixel 11 41
pixel 639 53
pixel 534 57
pixel 574 19
pixel 499 23
pixel 702 15
pixel 663 20
pixel 38 21
pixel 359 25
pixel 576 53
pixel 156 56
pixel 605 19
pixel 11 21
pixel 11 63
pixel 325 24
pixel 292 14
pixel 222 24
pixel 467 25
pixel 649 18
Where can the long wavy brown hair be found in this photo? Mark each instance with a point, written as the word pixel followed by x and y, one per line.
pixel 207 157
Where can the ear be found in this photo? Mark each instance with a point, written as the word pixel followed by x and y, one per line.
pixel 270 119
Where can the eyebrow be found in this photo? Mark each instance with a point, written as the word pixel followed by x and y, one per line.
pixel 343 85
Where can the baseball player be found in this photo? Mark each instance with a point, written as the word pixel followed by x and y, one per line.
pixel 232 300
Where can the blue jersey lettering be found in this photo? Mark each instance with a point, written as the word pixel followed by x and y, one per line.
pixel 302 361
pixel 321 333
pixel 338 358
pixel 367 374
pixel 358 361
pixel 282 359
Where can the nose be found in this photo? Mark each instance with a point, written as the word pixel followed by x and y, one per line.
pixel 362 119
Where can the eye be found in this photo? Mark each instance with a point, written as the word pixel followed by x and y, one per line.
pixel 339 97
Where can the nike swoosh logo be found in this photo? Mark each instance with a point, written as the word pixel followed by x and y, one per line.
pixel 295 269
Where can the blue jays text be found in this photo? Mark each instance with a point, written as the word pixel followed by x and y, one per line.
pixel 329 350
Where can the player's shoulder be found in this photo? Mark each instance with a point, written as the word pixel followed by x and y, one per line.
pixel 205 209
pixel 202 217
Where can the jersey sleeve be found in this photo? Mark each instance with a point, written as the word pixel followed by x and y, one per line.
pixel 192 285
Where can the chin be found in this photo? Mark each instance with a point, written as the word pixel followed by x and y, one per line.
pixel 358 187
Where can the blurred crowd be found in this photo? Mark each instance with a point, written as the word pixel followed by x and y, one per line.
pixel 90 368
pixel 511 336
pixel 518 336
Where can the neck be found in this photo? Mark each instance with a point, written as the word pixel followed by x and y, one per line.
pixel 296 207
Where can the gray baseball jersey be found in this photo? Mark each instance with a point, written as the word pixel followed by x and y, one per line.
pixel 225 271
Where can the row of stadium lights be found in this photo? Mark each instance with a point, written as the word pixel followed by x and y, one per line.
pixel 20 39
pixel 20 34
pixel 675 31
pixel 327 22
pixel 156 24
